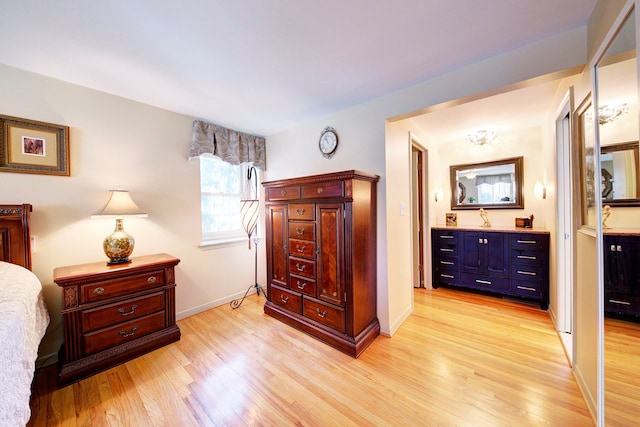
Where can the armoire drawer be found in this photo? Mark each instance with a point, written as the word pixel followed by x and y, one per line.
pixel 283 193
pixel 326 314
pixel 301 267
pixel 301 211
pixel 302 230
pixel 302 248
pixel 322 189
pixel 287 299
pixel 302 284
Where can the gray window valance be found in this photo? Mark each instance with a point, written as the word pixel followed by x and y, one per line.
pixel 229 145
pixel 494 179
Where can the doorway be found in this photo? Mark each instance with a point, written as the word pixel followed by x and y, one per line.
pixel 418 186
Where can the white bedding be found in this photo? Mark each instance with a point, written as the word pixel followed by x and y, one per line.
pixel 23 322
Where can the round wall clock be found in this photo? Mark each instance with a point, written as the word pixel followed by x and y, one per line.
pixel 328 142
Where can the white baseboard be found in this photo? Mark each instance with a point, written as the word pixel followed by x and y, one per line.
pixel 210 305
pixel 588 397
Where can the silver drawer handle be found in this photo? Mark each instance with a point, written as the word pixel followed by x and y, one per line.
pixel 526 288
pixel 615 301
pixel 98 291
pixel 446 250
pixel 446 237
pixel 301 285
pixel 446 262
pixel 528 242
pixel 299 231
pixel 483 282
pixel 301 248
pixel 321 314
pixel 300 268
pixel 284 299
pixel 300 211
pixel 151 280
pixel 528 273
pixel 133 309
pixel 125 334
pixel 526 257
pixel 447 276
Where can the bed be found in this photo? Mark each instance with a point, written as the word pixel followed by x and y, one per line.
pixel 23 315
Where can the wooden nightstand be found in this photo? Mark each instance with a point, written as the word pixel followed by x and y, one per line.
pixel 115 313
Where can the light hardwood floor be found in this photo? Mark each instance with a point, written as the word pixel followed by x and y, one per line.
pixel 460 359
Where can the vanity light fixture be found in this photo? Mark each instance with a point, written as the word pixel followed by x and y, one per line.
pixel 483 137
pixel 119 244
pixel 607 114
pixel 540 191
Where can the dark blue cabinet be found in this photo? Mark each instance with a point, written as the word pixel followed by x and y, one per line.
pixel 514 263
pixel 622 274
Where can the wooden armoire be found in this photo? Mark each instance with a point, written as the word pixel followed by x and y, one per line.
pixel 321 257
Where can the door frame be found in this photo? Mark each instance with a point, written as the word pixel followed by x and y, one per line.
pixel 420 250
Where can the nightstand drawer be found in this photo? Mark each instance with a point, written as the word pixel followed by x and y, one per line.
pixel 99 291
pixel 122 333
pixel 326 314
pixel 112 314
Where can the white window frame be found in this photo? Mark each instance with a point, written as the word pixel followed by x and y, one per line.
pixel 234 237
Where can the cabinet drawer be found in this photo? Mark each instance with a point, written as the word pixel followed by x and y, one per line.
pixel 99 291
pixel 447 277
pixel 447 263
pixel 302 230
pixel 302 248
pixel 326 314
pixel 619 302
pixel 289 300
pixel 112 314
pixel 527 240
pixel 526 257
pixel 496 284
pixel 301 211
pixel 122 333
pixel 526 289
pixel 322 189
pixel 283 193
pixel 302 284
pixel 526 272
pixel 302 267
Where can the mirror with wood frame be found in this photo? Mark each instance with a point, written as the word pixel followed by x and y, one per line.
pixel 620 174
pixel 488 185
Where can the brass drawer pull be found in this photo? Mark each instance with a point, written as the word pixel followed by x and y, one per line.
pixel 301 285
pixel 300 211
pixel 125 334
pixel 301 248
pixel 300 268
pixel 98 291
pixel 299 231
pixel 321 314
pixel 151 280
pixel 526 288
pixel 284 299
pixel 133 309
pixel 283 193
pixel 320 190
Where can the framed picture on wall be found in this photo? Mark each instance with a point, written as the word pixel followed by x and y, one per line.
pixel 29 146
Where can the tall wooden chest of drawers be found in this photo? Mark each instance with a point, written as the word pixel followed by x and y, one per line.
pixel 114 313
pixel 321 257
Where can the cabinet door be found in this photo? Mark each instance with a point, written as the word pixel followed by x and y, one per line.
pixel 496 254
pixel 472 252
pixel 628 266
pixel 610 258
pixel 330 230
pixel 277 251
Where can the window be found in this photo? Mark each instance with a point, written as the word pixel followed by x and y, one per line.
pixel 221 188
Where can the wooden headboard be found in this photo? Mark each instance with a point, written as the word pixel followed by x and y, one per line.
pixel 15 239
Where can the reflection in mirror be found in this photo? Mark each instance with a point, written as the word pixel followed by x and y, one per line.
pixel 489 185
pixel 586 138
pixel 616 87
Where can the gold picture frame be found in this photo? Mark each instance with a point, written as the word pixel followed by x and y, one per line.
pixel 29 146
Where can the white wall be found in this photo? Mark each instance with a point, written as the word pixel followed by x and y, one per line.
pixel 116 142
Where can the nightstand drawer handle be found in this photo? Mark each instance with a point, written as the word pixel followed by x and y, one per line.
pixel 151 280
pixel 323 314
pixel 125 334
pixel 133 309
pixel 284 299
pixel 98 291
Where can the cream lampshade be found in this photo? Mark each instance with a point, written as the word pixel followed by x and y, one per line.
pixel 119 245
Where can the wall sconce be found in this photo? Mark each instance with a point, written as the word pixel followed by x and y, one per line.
pixel 119 244
pixel 438 194
pixel 540 191
pixel 483 137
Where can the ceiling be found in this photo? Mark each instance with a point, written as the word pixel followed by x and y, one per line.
pixel 262 66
